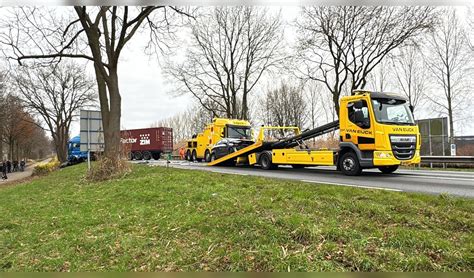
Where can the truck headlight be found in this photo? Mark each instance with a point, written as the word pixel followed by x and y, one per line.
pixel 379 154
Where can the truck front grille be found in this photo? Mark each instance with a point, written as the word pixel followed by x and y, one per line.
pixel 403 147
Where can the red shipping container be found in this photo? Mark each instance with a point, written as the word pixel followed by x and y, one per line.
pixel 147 143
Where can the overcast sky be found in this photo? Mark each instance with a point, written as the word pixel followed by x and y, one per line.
pixel 146 96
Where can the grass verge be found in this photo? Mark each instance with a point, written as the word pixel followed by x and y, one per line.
pixel 170 219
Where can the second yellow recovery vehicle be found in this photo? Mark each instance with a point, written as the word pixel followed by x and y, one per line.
pixel 199 147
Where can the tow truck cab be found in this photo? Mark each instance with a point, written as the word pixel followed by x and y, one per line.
pixel 380 129
pixel 74 153
pixel 199 147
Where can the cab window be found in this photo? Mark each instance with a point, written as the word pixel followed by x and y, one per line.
pixel 358 112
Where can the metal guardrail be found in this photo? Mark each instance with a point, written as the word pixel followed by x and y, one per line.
pixel 448 159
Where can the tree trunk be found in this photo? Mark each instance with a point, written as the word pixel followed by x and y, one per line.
pixel 244 115
pixel 451 124
pixel 60 144
pixel 335 99
pixel 112 131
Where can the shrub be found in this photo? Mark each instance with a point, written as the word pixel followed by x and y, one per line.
pixel 45 168
pixel 105 169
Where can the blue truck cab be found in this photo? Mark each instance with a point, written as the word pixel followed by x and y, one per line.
pixel 74 153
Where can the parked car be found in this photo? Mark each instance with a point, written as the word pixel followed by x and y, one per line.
pixel 228 145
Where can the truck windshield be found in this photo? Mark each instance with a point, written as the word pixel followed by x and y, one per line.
pixel 243 132
pixel 392 111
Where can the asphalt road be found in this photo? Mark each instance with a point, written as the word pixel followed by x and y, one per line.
pixel 425 181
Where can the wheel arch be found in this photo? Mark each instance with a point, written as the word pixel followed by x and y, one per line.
pixel 365 162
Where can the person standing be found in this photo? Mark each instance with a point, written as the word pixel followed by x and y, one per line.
pixel 22 165
pixel 4 170
pixel 9 166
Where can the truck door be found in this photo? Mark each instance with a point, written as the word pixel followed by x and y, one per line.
pixel 358 125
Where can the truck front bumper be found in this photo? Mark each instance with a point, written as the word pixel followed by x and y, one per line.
pixel 386 158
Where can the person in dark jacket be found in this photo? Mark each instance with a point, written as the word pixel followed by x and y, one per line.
pixel 4 170
pixel 9 166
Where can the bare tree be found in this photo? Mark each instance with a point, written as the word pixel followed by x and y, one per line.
pixel 3 110
pixel 313 100
pixel 411 73
pixel 470 22
pixel 96 34
pixel 56 94
pixel 380 79
pixel 284 106
pixel 16 125
pixel 232 48
pixel 448 61
pixel 343 44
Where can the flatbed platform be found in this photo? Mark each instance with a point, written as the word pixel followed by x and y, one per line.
pixel 257 146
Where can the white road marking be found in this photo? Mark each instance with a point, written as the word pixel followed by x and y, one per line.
pixel 446 178
pixel 353 185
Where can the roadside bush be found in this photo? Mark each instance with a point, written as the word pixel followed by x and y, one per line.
pixel 45 168
pixel 105 169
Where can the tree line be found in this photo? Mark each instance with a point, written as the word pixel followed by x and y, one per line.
pixel 423 53
pixel 21 135
pixel 233 50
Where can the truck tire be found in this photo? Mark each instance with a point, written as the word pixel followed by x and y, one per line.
pixel 156 155
pixel 266 161
pixel 138 155
pixel 194 157
pixel 388 169
pixel 207 156
pixel 146 155
pixel 349 164
pixel 213 156
pixel 188 155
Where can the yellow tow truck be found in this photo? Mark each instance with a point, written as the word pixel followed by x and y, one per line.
pixel 377 130
pixel 199 147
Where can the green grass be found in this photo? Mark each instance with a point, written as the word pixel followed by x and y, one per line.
pixel 170 219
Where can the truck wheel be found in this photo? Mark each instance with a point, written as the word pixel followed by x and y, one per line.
pixel 388 169
pixel 188 155
pixel 349 164
pixel 138 155
pixel 194 158
pixel 146 155
pixel 156 155
pixel 213 156
pixel 207 156
pixel 266 161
